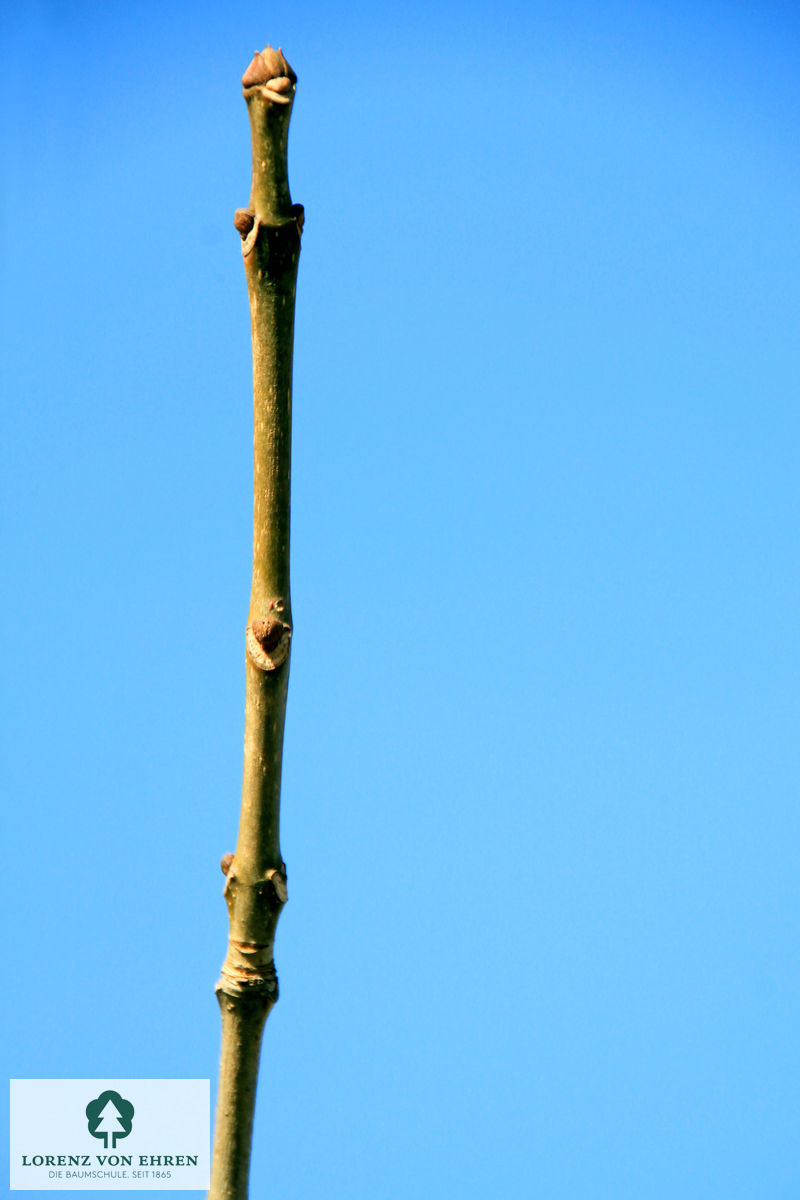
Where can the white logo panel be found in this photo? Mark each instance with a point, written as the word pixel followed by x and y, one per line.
pixel 110 1134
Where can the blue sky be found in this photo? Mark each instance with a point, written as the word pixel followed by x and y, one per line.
pixel 540 802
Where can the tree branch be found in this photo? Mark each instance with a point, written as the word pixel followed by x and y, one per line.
pixel 255 886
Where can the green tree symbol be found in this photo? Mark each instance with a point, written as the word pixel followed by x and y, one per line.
pixel 109 1117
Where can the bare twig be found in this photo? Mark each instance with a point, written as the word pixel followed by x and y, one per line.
pixel 255 885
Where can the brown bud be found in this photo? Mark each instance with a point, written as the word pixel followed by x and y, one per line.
pixel 226 863
pixel 244 220
pixel 268 633
pixel 268 65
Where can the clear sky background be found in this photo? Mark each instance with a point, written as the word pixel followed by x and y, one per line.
pixel 540 805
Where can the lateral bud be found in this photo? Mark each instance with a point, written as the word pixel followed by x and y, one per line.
pixel 268 633
pixel 244 219
pixel 267 639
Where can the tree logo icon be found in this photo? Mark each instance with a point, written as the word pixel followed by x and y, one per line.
pixel 110 1117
